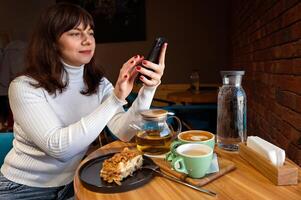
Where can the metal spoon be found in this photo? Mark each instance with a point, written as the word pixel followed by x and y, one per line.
pixel 155 168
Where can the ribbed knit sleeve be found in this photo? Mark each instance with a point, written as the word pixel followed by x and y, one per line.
pixel 119 124
pixel 33 113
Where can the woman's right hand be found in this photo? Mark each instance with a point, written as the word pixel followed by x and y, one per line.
pixel 127 76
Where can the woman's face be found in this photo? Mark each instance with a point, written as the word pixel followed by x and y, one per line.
pixel 77 45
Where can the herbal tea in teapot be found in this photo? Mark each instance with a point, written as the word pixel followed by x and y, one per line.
pixel 155 135
pixel 150 141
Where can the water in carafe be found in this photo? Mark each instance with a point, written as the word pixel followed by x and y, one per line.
pixel 231 115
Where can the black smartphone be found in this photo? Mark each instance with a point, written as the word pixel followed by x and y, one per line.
pixel 154 54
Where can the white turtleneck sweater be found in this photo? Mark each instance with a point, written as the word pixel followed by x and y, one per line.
pixel 52 133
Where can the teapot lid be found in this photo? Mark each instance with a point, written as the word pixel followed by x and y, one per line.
pixel 154 113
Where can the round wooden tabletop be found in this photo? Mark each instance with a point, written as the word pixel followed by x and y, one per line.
pixel 206 94
pixel 245 182
pixel 189 97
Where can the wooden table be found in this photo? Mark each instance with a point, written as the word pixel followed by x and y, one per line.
pixel 245 182
pixel 206 94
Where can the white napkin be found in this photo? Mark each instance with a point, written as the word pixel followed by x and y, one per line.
pixel 270 151
pixel 214 167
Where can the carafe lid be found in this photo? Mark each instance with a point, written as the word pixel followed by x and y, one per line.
pixel 232 73
pixel 154 113
pixel 232 77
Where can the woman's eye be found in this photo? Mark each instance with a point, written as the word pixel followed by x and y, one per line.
pixel 91 33
pixel 75 34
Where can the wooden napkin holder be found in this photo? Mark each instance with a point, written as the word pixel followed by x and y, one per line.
pixel 284 175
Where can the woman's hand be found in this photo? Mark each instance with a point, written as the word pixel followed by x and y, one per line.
pixel 153 71
pixel 126 78
pixel 132 68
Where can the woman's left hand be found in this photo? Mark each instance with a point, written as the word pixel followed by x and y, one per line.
pixel 131 69
pixel 153 71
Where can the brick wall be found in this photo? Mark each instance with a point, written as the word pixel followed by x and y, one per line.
pixel 266 43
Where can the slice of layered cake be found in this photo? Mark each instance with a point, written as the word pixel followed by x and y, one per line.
pixel 121 165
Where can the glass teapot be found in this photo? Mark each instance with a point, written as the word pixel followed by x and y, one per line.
pixel 154 134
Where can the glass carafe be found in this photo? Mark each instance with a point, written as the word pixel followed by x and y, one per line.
pixel 231 111
pixel 154 133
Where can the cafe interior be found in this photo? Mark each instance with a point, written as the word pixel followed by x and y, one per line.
pixel 258 40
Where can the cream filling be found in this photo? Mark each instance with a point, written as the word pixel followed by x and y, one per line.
pixel 130 166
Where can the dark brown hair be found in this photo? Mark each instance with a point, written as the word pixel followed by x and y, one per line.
pixel 43 57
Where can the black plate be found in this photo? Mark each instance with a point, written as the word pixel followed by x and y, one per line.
pixel 89 176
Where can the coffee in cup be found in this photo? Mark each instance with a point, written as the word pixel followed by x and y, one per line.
pixel 191 136
pixel 193 159
pixel 195 136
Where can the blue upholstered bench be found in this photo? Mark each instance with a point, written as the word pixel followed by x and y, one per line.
pixel 6 143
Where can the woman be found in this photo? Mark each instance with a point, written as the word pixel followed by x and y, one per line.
pixel 62 103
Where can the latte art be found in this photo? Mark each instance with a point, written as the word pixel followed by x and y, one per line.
pixel 196 136
pixel 199 137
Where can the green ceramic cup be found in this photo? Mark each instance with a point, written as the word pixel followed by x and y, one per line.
pixel 193 159
pixel 191 136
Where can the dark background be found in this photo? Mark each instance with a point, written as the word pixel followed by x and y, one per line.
pixel 116 20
